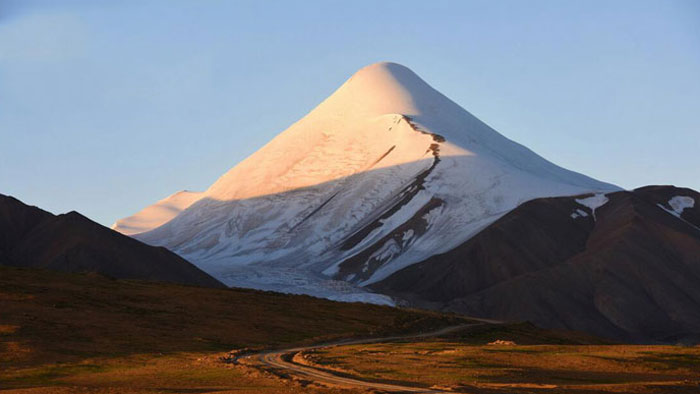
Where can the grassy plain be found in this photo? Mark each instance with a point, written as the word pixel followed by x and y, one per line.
pixel 471 365
pixel 86 332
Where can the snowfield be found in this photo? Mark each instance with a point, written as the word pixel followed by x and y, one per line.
pixel 156 214
pixel 384 173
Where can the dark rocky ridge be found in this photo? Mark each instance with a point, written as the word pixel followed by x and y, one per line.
pixel 632 273
pixel 31 237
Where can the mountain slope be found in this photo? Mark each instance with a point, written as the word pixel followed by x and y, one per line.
pixel 628 269
pixel 155 215
pixel 31 237
pixel 386 172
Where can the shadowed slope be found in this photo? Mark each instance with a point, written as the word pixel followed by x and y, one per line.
pixel 628 270
pixel 31 237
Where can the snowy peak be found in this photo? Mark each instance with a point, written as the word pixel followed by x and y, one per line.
pixel 382 107
pixel 385 88
pixel 382 174
pixel 389 88
pixel 345 135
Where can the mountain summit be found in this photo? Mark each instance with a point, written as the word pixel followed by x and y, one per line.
pixel 383 174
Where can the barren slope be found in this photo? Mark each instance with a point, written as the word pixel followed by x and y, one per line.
pixel 31 237
pixel 629 272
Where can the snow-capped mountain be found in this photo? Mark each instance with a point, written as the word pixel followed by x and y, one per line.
pixel 384 173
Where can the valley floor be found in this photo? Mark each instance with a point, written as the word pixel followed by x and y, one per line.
pixel 64 332
pixel 458 367
pixel 439 365
pixel 84 333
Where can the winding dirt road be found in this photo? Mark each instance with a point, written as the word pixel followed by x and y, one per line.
pixel 278 359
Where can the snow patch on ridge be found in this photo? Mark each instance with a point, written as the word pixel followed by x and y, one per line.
pixel 579 213
pixel 679 203
pixel 594 202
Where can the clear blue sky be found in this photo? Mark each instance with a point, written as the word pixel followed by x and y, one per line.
pixel 106 107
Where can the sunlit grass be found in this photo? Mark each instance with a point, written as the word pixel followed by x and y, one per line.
pixel 455 364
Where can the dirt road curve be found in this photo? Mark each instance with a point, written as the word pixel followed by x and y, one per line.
pixel 277 360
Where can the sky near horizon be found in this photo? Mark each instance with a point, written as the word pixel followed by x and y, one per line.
pixel 107 107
